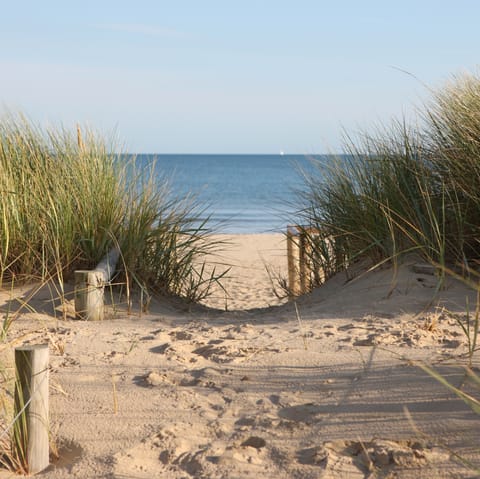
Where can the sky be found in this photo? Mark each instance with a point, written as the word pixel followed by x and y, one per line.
pixel 230 76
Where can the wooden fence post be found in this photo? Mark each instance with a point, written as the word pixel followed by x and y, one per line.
pixel 90 285
pixel 31 440
pixel 304 263
pixel 302 270
pixel 293 257
pixel 89 288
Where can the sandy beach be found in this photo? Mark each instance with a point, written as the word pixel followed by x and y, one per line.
pixel 244 387
pixel 254 263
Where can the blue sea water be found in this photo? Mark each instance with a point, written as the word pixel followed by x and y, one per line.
pixel 241 193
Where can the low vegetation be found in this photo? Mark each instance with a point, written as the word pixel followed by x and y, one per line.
pixel 408 189
pixel 405 189
pixel 66 200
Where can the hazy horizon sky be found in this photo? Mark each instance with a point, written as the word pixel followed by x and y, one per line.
pixel 230 76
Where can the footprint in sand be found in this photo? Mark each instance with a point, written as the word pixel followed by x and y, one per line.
pixel 306 413
pixel 161 348
pixel 155 378
pixel 359 459
pixel 173 352
pixel 205 377
pixel 174 450
pixel 251 451
pixel 67 454
pixel 181 335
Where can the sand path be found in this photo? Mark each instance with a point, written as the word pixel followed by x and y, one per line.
pixel 259 393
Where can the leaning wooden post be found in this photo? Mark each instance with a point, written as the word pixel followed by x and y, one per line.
pixel 31 441
pixel 90 285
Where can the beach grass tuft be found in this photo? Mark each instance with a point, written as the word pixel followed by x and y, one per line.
pixel 411 189
pixel 406 189
pixel 68 197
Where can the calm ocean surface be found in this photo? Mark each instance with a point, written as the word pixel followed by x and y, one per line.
pixel 243 193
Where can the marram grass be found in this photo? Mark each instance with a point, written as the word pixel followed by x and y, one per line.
pixel 66 200
pixel 406 188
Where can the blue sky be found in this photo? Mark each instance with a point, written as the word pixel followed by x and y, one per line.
pixel 249 76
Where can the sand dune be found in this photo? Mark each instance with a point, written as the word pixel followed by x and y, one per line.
pixel 210 393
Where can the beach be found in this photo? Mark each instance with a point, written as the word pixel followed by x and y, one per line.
pixel 253 265
pixel 157 166
pixel 250 385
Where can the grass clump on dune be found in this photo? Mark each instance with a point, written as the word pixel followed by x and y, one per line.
pixel 406 189
pixel 65 201
pixel 409 190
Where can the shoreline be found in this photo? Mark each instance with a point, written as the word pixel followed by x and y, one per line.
pixel 274 233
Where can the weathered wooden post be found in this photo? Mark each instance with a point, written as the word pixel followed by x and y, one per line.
pixel 89 289
pixel 304 263
pixel 90 285
pixel 293 257
pixel 302 269
pixel 31 440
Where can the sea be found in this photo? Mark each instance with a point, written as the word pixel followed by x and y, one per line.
pixel 238 193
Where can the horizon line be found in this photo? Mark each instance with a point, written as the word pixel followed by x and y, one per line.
pixel 231 154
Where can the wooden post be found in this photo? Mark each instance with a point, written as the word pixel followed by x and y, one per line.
pixel 301 267
pixel 303 263
pixel 90 285
pixel 31 441
pixel 89 288
pixel 293 255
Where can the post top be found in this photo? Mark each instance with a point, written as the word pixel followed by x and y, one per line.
pixel 32 347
